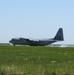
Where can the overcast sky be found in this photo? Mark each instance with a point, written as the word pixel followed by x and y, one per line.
pixel 36 19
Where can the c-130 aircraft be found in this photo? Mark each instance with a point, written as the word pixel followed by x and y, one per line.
pixel 25 41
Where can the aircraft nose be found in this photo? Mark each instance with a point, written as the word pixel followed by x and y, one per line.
pixel 10 41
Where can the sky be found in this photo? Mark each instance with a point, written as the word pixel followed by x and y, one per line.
pixel 36 19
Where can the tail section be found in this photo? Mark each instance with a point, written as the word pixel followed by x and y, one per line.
pixel 59 35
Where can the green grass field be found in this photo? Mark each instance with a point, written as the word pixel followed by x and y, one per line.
pixel 28 60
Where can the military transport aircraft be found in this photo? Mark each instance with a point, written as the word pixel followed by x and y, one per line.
pixel 25 41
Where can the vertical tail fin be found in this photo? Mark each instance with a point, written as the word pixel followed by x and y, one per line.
pixel 59 35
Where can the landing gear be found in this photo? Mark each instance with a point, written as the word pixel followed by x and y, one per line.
pixel 13 44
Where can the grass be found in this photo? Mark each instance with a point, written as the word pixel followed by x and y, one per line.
pixel 28 60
